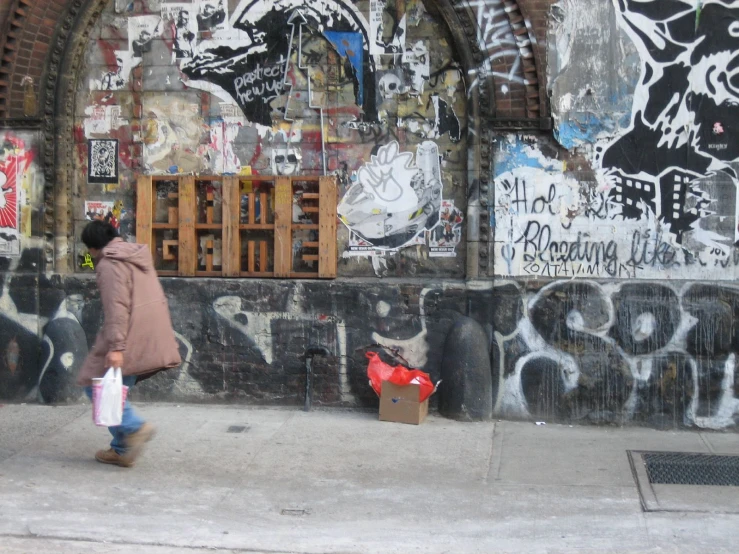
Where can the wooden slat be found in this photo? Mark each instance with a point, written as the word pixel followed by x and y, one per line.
pixel 258 226
pixel 209 207
pixel 167 253
pixel 209 245
pixel 163 226
pixel 144 210
pixel 310 257
pixel 231 253
pixel 172 216
pixel 252 207
pixel 263 208
pixel 310 209
pixel 310 244
pixel 311 196
pixel 283 226
pixel 250 256
pixel 263 256
pixel 257 274
pixel 188 251
pixel 327 227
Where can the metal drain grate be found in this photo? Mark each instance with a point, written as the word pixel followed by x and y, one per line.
pixel 682 468
pixel 237 429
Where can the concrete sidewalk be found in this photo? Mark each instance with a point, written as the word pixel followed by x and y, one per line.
pixel 281 480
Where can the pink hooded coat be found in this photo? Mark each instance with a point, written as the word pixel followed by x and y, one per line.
pixel 136 312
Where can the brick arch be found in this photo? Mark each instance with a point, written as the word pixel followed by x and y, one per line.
pixel 508 45
pixel 37 55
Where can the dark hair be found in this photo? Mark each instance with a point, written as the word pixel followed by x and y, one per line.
pixel 98 234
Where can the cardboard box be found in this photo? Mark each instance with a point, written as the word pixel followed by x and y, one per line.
pixel 400 404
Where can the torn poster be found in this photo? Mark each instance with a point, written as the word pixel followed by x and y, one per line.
pixel 141 31
pixel 446 236
pixel 212 16
pixel 14 160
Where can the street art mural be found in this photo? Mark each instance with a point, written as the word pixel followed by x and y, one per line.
pixel 684 120
pixel 579 351
pixel 285 87
pixel 589 352
pixel 44 336
pixel 551 221
pixel 276 47
pixel 656 194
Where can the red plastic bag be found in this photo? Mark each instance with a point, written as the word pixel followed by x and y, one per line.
pixel 378 371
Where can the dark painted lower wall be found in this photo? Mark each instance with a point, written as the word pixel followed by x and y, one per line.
pixel 658 354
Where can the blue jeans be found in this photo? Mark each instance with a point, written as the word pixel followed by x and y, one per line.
pixel 131 421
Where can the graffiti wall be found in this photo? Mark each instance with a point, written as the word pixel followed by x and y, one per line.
pixel 577 351
pixel 369 91
pixel 652 190
pixel 603 239
pixel 21 259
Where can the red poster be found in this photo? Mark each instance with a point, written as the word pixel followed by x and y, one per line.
pixel 14 160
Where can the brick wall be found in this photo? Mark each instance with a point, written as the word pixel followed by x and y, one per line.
pixel 29 29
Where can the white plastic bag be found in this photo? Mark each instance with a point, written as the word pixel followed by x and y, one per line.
pixel 108 398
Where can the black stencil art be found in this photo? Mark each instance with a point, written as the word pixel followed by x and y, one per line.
pixel 685 116
pixel 446 120
pixel 102 161
pixel 254 74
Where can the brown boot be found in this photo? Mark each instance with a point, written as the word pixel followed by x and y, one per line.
pixel 110 456
pixel 135 442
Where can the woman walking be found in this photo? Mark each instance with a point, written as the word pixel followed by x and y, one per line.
pixel 137 333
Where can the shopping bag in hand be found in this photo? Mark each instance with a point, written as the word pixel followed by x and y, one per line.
pixel 108 397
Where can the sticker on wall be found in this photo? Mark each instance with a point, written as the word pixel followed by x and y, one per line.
pixel 443 121
pixel 141 32
pixel 286 160
pixel 102 161
pixel 393 200
pixel 394 43
pixel 116 78
pixel 182 18
pixel 212 16
pixel 101 120
pixel 101 211
pixel 446 236
pixel 416 67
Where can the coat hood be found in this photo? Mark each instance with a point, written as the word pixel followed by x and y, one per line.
pixel 136 254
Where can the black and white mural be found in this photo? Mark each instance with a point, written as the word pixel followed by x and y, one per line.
pixel 276 48
pixel 685 117
pixel 102 161
pixel 658 199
